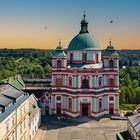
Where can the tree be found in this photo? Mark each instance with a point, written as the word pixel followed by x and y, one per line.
pixel 135 84
pixel 137 91
pixel 48 69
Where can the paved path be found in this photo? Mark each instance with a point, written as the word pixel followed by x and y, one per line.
pixel 105 129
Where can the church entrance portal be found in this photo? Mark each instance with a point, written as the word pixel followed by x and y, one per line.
pixel 58 108
pixel 111 111
pixel 85 109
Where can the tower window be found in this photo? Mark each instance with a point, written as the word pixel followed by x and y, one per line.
pixel 85 83
pixel 111 82
pixel 100 104
pixel 58 98
pixel 97 57
pixel 59 63
pixel 100 81
pixel 70 104
pixel 111 98
pixel 71 58
pixel 111 64
pixel 70 81
pixel 59 82
pixel 84 57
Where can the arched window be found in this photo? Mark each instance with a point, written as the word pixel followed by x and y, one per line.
pixel 100 81
pixel 71 58
pixel 85 83
pixel 97 57
pixel 58 98
pixel 84 57
pixel 70 104
pixel 100 103
pixel 70 81
pixel 112 84
pixel 59 82
pixel 111 63
pixel 111 98
pixel 59 63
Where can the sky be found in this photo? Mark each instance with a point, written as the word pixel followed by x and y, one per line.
pixel 23 22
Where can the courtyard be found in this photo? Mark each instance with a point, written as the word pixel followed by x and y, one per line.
pixel 79 129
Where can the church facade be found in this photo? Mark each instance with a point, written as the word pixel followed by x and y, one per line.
pixel 84 81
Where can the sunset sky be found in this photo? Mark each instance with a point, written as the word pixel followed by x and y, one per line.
pixel 22 22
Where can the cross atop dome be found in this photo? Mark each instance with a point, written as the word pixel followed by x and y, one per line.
pixel 59 42
pixel 84 15
pixel 84 25
pixel 110 42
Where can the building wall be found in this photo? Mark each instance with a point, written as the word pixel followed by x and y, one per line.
pixel 96 90
pixel 34 124
pixel 132 132
pixel 16 124
pixel 23 120
pixel 93 101
pixel 8 126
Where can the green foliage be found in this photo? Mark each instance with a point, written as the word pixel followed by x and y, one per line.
pixel 24 61
pixel 128 107
pixel 130 85
pixel 36 61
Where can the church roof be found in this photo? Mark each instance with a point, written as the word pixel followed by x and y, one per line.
pixel 110 51
pixel 59 51
pixel 83 41
pixel 135 122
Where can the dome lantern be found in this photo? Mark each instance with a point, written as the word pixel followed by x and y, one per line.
pixel 83 41
pixel 84 25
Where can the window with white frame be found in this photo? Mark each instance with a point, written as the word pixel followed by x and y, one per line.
pixel 13 120
pixel 20 111
pixel 24 123
pixel 13 136
pixel 58 98
pixel 7 127
pixel 24 138
pixel 100 103
pixel 20 128
pixel 24 109
pixel 111 98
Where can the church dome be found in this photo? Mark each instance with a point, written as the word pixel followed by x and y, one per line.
pixel 84 41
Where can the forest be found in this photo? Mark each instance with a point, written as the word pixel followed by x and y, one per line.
pixel 38 61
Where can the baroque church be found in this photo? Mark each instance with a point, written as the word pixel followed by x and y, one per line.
pixel 85 82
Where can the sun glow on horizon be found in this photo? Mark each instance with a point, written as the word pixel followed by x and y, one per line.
pixel 23 23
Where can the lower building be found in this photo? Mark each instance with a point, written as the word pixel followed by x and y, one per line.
pixel 81 105
pixel 15 113
pixel 133 126
pixel 34 116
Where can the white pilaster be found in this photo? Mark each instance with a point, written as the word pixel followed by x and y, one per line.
pixel 90 82
pixel 79 81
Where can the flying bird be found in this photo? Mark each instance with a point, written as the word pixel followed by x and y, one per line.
pixel 45 27
pixel 111 21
